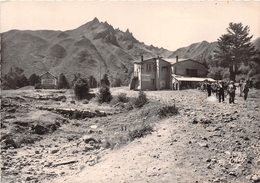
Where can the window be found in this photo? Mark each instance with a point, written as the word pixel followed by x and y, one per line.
pixel 191 72
pixel 149 67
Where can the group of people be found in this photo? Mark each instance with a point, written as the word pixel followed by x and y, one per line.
pixel 223 88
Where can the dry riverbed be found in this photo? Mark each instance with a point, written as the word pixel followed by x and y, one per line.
pixel 43 139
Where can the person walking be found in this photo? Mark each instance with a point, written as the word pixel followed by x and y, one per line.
pixel 209 88
pixel 232 92
pixel 241 87
pixel 221 92
pixel 245 89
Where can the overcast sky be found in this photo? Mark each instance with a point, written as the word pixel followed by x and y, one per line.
pixel 168 24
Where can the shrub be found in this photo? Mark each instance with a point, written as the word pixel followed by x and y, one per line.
pixel 38 86
pixel 120 98
pixel 104 94
pixel 81 88
pixel 141 132
pixel 140 100
pixel 167 111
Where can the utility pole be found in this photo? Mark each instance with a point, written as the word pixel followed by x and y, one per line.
pixel 100 75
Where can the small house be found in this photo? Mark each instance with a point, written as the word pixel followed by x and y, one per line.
pixel 48 81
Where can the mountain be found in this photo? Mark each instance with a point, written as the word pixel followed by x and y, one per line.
pixel 94 48
pixel 197 51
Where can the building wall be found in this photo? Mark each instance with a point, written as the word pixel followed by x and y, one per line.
pixel 148 75
pixel 165 75
pixel 180 68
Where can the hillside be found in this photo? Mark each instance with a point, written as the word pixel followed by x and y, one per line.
pixel 94 48
pixel 82 50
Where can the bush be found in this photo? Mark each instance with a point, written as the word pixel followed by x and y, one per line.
pixel 141 132
pixel 104 94
pixel 140 100
pixel 81 88
pixel 120 98
pixel 38 86
pixel 167 111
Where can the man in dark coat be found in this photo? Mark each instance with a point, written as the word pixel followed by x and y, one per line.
pixel 232 92
pixel 245 89
pixel 209 88
pixel 221 93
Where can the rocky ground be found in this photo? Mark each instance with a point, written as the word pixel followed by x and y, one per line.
pixel 43 139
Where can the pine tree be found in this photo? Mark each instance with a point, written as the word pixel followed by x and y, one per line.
pixel 34 79
pixel 63 82
pixel 235 49
pixel 105 81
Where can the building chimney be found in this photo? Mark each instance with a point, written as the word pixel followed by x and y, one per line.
pixel 177 59
pixel 142 58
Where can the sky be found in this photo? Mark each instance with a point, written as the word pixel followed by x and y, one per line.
pixel 167 24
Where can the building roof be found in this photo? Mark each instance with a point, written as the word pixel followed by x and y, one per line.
pixel 169 60
pixel 173 60
pixel 182 78
pixel 49 73
pixel 147 60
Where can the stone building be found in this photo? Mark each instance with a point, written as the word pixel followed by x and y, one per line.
pixel 162 74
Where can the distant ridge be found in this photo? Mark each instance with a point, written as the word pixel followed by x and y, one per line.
pixel 94 48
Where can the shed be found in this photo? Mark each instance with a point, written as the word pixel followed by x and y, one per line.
pixel 48 81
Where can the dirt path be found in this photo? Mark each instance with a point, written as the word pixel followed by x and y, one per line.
pixel 207 142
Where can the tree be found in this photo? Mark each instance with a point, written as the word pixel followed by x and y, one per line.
pixel 76 77
pixel 81 88
pixel 22 81
pixel 117 82
pixel 235 48
pixel 63 82
pixel 104 80
pixel 34 79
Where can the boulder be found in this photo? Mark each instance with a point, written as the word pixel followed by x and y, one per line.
pixel 39 129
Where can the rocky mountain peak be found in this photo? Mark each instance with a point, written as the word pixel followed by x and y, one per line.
pixel 95 20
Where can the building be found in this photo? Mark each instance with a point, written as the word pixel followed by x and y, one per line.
pixel 151 74
pixel 48 81
pixel 161 74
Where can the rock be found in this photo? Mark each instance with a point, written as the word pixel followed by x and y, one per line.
pixel 48 164
pixel 208 160
pixel 39 129
pixel 232 173
pixel 54 151
pixel 72 102
pixel 195 121
pixel 256 178
pixel 60 98
pixel 9 142
pixel 93 126
pixel 88 148
pixel 203 144
pixel 9 117
pixel 12 110
pixel 88 138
